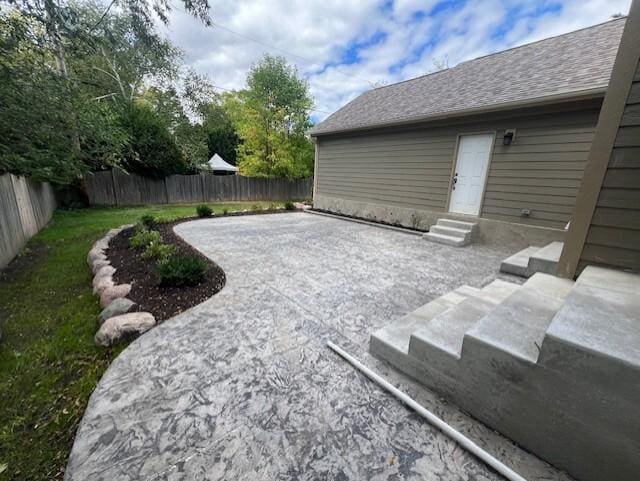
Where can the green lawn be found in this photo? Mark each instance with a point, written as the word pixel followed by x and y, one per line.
pixel 48 363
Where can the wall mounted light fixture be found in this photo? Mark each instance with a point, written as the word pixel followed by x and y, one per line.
pixel 509 136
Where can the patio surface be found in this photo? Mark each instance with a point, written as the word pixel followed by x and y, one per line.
pixel 242 387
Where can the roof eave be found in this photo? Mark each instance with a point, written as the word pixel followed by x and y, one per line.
pixel 536 102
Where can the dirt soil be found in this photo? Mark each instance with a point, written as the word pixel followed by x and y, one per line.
pixel 162 302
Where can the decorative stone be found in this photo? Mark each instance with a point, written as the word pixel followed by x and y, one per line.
pixel 105 271
pixel 119 306
pixel 97 265
pixel 117 328
pixel 114 292
pixel 94 255
pixel 102 244
pixel 101 283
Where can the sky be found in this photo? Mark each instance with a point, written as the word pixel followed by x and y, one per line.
pixel 345 47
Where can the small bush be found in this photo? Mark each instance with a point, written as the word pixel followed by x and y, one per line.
pixel 158 250
pixel 273 206
pixel 256 207
pixel 289 206
pixel 148 221
pixel 204 211
pixel 179 271
pixel 144 238
pixel 225 211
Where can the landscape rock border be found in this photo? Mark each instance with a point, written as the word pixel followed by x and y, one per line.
pixel 118 318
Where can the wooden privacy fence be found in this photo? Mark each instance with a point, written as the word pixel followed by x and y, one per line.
pixel 26 207
pixel 118 188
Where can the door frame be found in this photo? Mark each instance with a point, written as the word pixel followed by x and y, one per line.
pixel 454 163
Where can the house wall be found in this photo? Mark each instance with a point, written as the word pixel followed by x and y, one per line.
pixel 407 172
pixel 613 238
pixel 605 226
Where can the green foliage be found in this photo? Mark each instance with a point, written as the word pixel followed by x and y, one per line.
pixel 289 206
pixel 204 210
pixel 50 132
pixel 143 238
pixel 222 137
pixel 148 221
pixel 225 211
pixel 272 117
pixel 152 150
pixel 158 250
pixel 178 271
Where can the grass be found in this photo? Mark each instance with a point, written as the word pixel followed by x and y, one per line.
pixel 49 364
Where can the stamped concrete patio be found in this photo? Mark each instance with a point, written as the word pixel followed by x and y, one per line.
pixel 242 386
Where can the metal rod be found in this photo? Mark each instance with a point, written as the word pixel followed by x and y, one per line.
pixel 434 420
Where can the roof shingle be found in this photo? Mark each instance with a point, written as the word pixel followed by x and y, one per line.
pixel 567 64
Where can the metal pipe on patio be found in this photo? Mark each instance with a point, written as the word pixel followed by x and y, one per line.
pixel 434 420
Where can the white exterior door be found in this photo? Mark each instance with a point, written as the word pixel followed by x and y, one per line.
pixel 470 173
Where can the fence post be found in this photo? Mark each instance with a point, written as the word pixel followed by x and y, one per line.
pixel 115 190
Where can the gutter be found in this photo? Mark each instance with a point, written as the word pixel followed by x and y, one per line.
pixel 537 102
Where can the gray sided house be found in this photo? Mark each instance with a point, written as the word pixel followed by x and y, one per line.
pixel 502 138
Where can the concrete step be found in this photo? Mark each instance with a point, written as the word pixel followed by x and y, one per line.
pixel 456 224
pixel 391 342
pixel 451 231
pixel 446 239
pixel 623 282
pixel 517 326
pixel 532 259
pixel 591 361
pixel 440 340
pixel 518 263
pixel 546 259
pixel 601 317
pixel 554 365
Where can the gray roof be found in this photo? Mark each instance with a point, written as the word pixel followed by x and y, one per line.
pixel 568 65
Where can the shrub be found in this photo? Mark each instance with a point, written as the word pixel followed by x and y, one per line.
pixel 204 211
pixel 273 206
pixel 143 238
pixel 225 211
pixel 148 221
pixel 289 205
pixel 256 207
pixel 178 271
pixel 152 150
pixel 158 250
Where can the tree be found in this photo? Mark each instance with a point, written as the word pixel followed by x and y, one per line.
pixel 222 137
pixel 69 73
pixel 51 129
pixel 152 150
pixel 272 117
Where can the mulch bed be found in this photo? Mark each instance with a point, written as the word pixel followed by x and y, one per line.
pixel 162 302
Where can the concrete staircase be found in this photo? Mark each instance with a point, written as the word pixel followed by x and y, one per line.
pixel 533 259
pixel 552 364
pixel 451 232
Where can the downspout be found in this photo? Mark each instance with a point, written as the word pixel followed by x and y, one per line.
pixel 434 420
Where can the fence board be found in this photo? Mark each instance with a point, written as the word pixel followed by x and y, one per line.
pixel 119 188
pixel 25 208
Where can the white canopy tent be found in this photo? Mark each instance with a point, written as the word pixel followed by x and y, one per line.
pixel 218 164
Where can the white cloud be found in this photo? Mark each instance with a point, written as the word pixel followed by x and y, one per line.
pixel 410 34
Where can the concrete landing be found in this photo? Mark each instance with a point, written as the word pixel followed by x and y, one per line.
pixel 533 259
pixel 451 232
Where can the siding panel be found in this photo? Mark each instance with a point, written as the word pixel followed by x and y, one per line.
pixel 540 171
